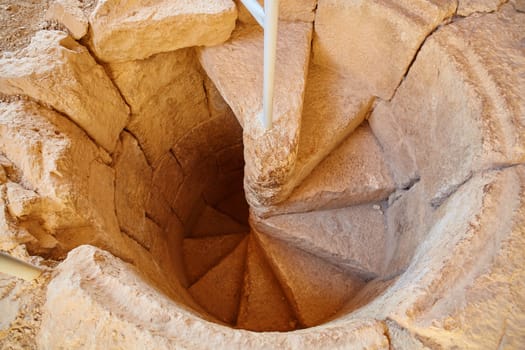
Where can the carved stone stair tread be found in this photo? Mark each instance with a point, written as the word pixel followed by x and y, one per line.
pixel 333 107
pixel 353 238
pixel 263 306
pixel 239 62
pixel 235 206
pixel 201 254
pixel 354 173
pixel 315 288
pixel 219 290
pixel 212 223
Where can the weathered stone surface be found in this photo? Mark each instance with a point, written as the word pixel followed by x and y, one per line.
pixel 352 238
pixel 269 155
pixel 316 289
pixel 166 96
pixel 212 223
pixel 167 177
pixel 133 178
pixel 235 206
pixel 56 70
pixel 468 7
pixel 67 170
pixel 201 254
pixel 289 10
pixel 226 277
pixel 354 173
pixel 263 304
pixel 374 42
pixel 469 102
pixel 131 31
pixel 463 287
pixel 86 289
pixel 70 14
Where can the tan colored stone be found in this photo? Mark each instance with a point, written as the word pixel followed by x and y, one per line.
pixel 235 206
pixel 59 162
pixel 353 238
pixel 166 96
pixel 70 14
pixel 86 290
pixel 263 304
pixel 289 10
pixel 469 101
pixel 202 254
pixel 192 148
pixel 355 173
pixel 519 5
pixel 315 288
pixel 212 223
pixel 167 177
pixel 54 69
pixel 226 277
pixel 10 170
pixel 269 155
pixel 137 30
pixel 133 182
pixel 374 42
pixel 468 7
pixel 463 286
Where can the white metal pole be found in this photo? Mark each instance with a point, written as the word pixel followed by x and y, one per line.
pixel 271 21
pixel 18 268
pixel 256 10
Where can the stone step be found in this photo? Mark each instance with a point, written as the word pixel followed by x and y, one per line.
pixel 354 173
pixel 212 223
pixel 219 290
pixel 269 154
pixel 264 306
pixel 315 288
pixel 125 31
pixel 334 106
pixel 235 206
pixel 353 238
pixel 201 254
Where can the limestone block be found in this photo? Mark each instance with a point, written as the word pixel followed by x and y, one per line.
pixel 136 30
pixel 202 254
pixel 133 182
pixel 166 96
pixel 212 223
pixel 9 169
pixel 289 10
pixel 192 148
pixel 70 14
pixel 81 304
pixel 58 161
pixel 355 173
pixel 167 177
pixel 263 305
pixel 353 238
pixel 54 69
pixel 468 7
pixel 315 288
pixel 227 277
pixel 469 85
pixel 463 287
pixel 374 42
pixel 270 155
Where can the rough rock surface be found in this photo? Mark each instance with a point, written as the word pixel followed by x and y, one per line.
pixel 125 31
pixel 166 96
pixel 263 306
pixel 315 288
pixel 269 155
pixel 56 70
pixel 212 222
pixel 374 42
pixel 91 282
pixel 70 14
pixel 354 173
pixel 353 238
pixel 468 7
pixel 469 88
